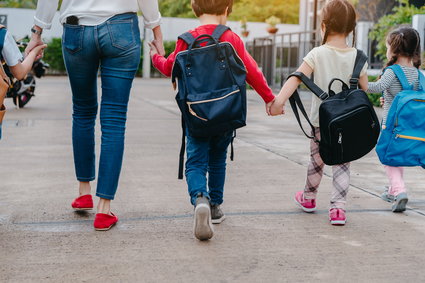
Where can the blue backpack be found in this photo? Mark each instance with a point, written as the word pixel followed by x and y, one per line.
pixel 211 87
pixel 402 142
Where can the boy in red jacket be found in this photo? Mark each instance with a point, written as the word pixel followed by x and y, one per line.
pixel 209 154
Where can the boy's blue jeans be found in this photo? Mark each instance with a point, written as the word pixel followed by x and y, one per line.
pixel 207 155
pixel 114 46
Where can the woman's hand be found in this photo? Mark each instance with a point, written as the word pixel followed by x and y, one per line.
pixel 278 107
pixel 153 50
pixel 34 42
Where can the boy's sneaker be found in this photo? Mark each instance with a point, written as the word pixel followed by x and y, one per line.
pixel 217 214
pixel 308 205
pixel 400 202
pixel 337 216
pixel 202 226
pixel 387 196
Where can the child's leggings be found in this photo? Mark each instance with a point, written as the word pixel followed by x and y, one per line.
pixel 341 176
pixel 395 175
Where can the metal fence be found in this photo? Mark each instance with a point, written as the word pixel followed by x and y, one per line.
pixel 281 54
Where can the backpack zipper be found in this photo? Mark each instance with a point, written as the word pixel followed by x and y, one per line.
pixel 189 104
pixel 409 137
pixel 349 113
pixel 341 148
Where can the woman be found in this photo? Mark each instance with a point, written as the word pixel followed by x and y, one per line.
pixel 103 34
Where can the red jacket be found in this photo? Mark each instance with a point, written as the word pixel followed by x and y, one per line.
pixel 254 75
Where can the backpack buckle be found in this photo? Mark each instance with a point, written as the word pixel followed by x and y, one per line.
pixel 324 96
pixel 354 82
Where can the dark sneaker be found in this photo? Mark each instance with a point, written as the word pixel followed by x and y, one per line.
pixel 202 226
pixel 400 202
pixel 217 214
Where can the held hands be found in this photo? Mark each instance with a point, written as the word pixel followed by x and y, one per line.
pixel 273 108
pixel 38 51
pixel 278 107
pixel 153 50
pixel 35 42
pixel 157 47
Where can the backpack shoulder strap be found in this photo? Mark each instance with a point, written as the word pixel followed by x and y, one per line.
pixel 219 31
pixel 398 71
pixel 361 60
pixel 421 80
pixel 187 37
pixel 310 85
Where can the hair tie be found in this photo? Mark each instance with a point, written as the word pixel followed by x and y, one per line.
pixel 402 34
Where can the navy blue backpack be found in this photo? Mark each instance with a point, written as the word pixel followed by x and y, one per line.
pixel 402 142
pixel 211 87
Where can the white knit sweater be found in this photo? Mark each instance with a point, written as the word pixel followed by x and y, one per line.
pixel 95 12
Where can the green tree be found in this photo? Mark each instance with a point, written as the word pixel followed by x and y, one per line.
pixel 30 4
pixel 401 14
pixel 260 10
pixel 176 8
pixel 252 10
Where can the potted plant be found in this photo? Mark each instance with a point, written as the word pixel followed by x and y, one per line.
pixel 272 22
pixel 244 30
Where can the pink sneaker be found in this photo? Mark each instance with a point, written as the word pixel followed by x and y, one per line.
pixel 337 216
pixel 308 205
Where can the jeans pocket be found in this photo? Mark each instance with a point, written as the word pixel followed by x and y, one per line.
pixel 122 33
pixel 72 39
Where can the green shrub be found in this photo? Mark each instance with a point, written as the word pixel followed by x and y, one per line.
pixel 402 14
pixel 53 56
pixel 374 97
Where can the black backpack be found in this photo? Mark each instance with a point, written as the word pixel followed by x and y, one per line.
pixel 212 87
pixel 349 127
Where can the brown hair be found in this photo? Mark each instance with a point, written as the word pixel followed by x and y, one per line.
pixel 404 41
pixel 212 7
pixel 339 16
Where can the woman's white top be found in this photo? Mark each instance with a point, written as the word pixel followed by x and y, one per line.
pixel 95 12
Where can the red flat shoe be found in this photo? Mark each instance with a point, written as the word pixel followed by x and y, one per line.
pixel 104 222
pixel 84 202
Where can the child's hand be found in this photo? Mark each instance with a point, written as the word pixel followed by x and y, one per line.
pixel 154 50
pixel 277 108
pixel 268 106
pixel 382 101
pixel 38 51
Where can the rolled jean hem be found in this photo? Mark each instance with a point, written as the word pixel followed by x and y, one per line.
pixel 104 196
pixel 86 179
pixel 216 203
pixel 193 199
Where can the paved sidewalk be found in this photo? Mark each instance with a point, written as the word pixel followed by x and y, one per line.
pixel 265 237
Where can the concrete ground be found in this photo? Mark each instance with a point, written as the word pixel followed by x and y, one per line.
pixel 265 237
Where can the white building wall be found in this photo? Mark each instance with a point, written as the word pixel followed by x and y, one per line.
pixel 418 23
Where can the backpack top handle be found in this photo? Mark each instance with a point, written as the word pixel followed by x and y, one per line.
pixel 220 54
pixel 344 86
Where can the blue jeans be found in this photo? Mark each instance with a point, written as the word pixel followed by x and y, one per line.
pixel 207 155
pixel 114 46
